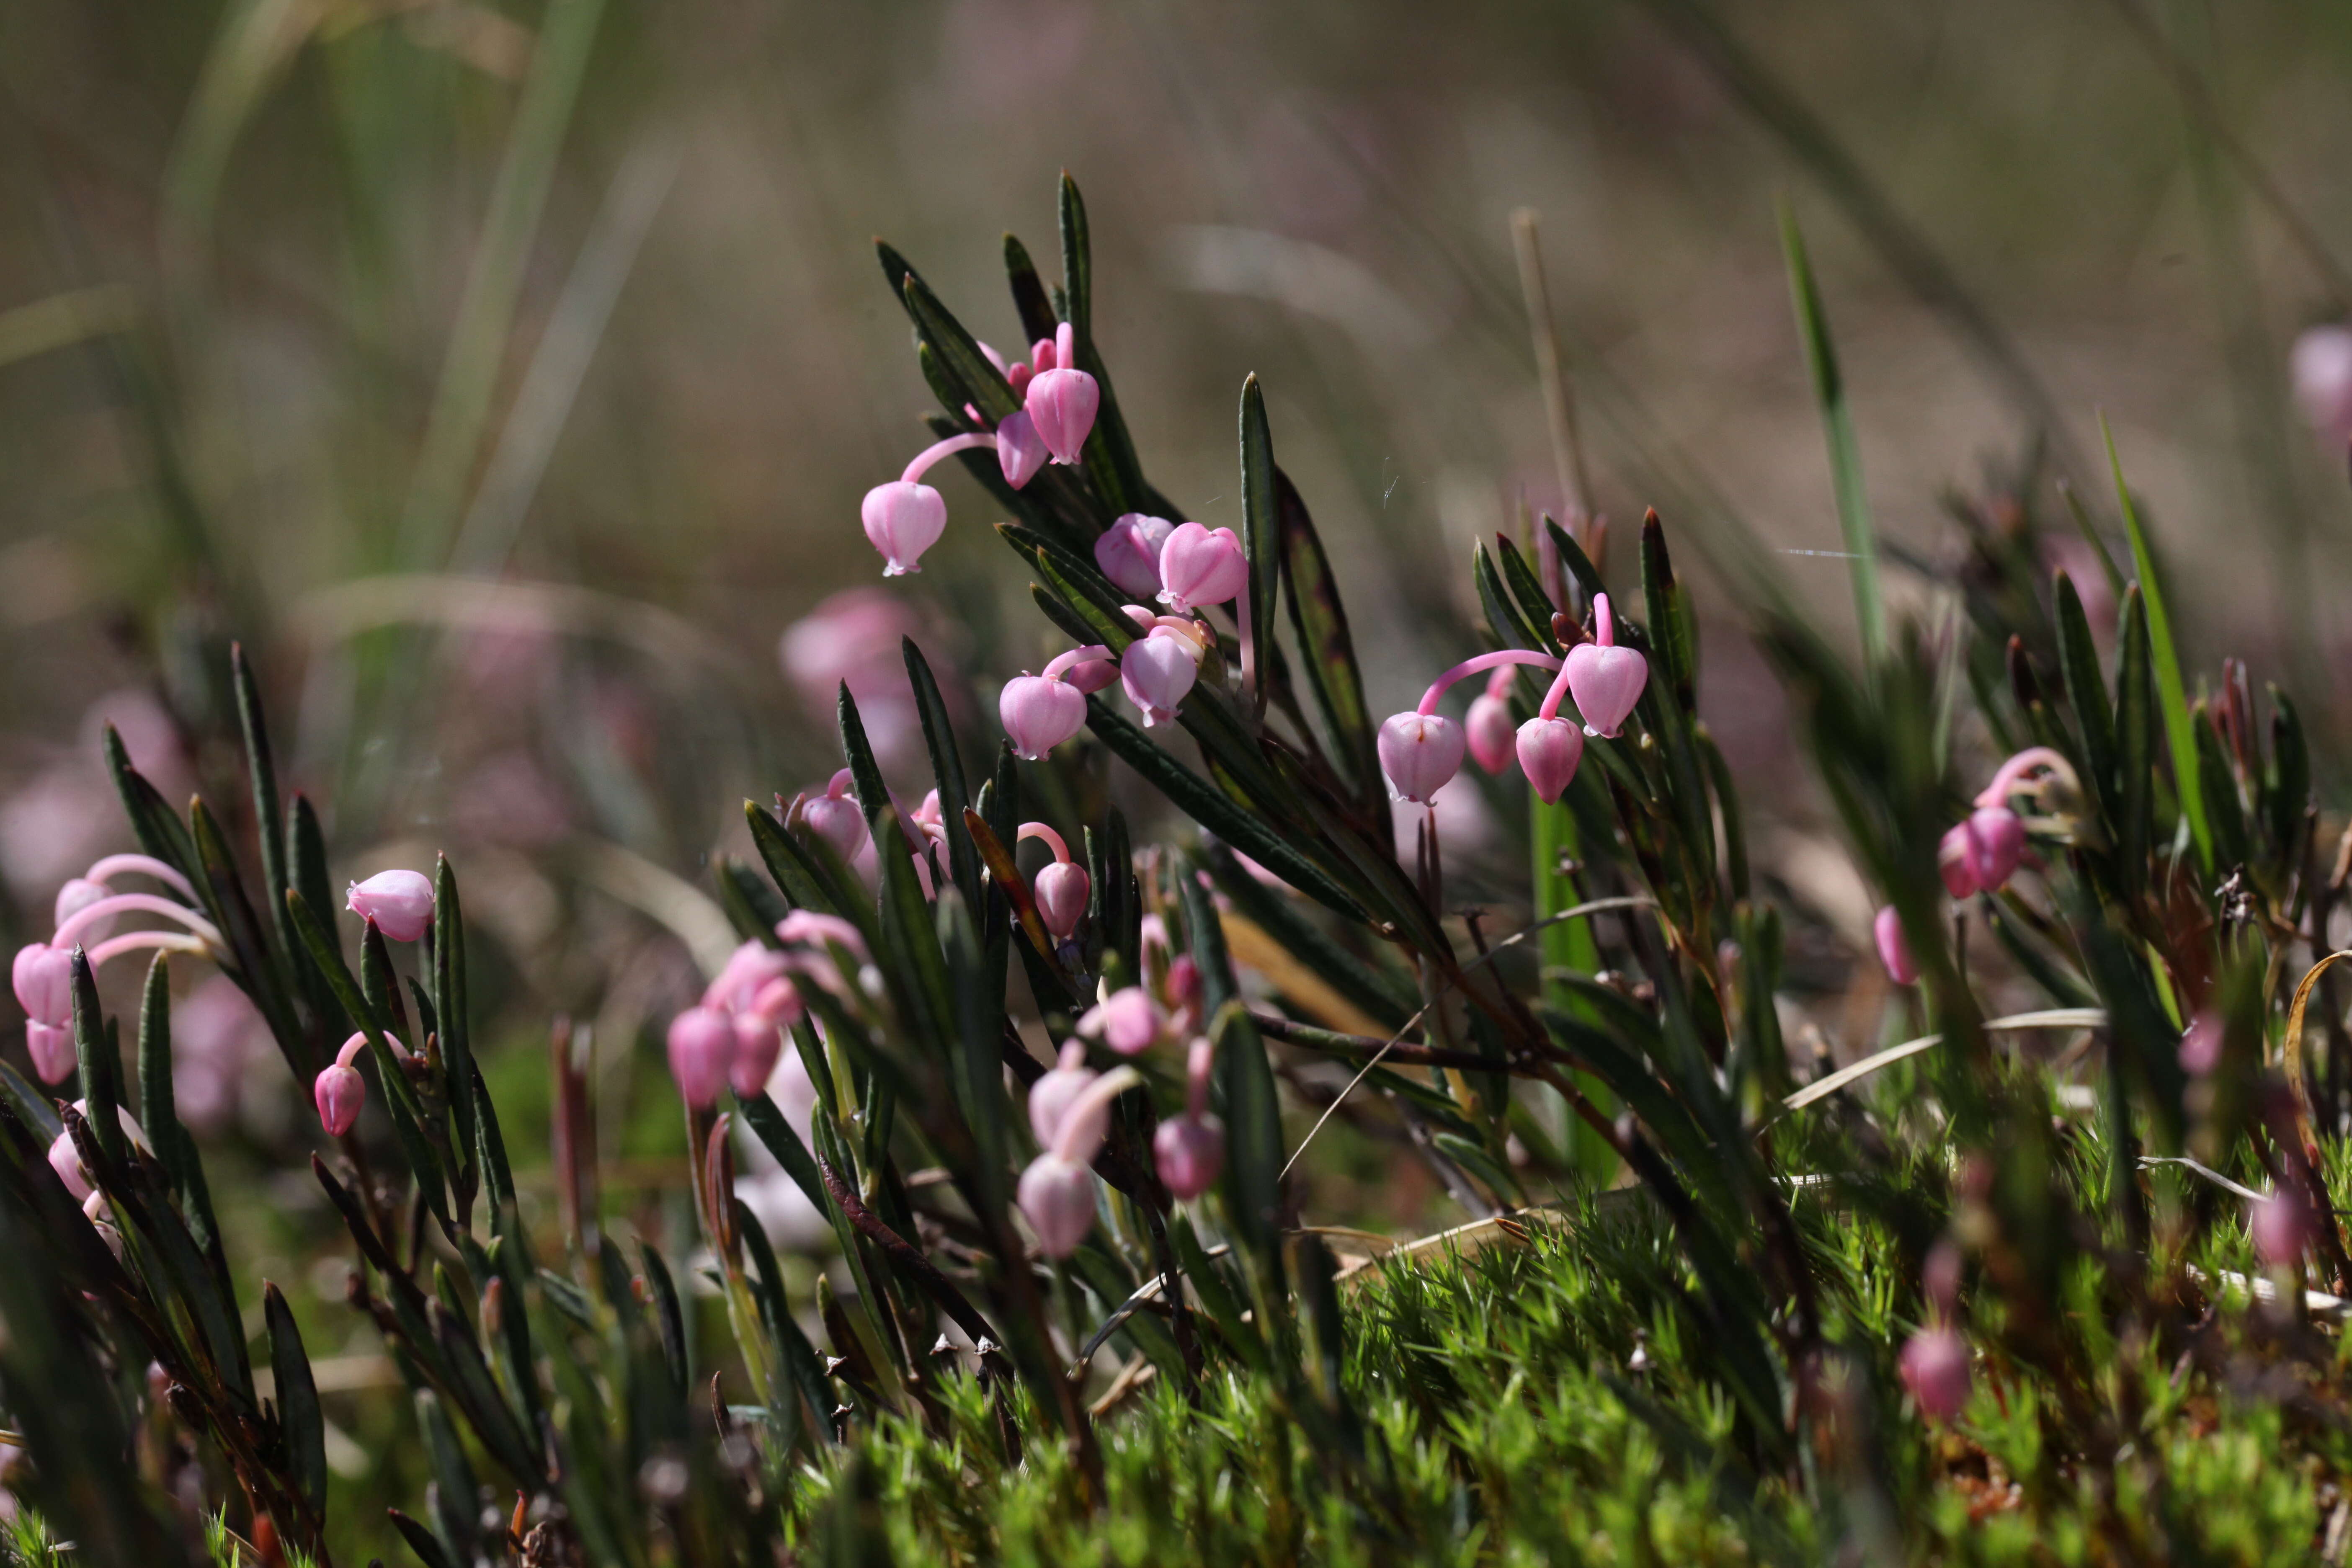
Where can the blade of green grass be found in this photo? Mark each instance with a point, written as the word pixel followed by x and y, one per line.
pixel 1845 452
pixel 2171 694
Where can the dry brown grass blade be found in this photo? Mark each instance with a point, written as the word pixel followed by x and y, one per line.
pixel 2293 1053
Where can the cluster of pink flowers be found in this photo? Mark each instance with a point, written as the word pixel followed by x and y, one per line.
pixel 87 910
pixel 399 903
pixel 1981 852
pixel 733 1038
pixel 1185 567
pixel 1069 1104
pixel 906 517
pixel 1421 751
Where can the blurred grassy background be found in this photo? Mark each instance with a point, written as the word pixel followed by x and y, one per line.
pixel 316 317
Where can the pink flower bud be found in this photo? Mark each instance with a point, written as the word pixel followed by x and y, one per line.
pixel 1127 1020
pixel 43 976
pixel 2322 369
pixel 701 1052
pixel 1184 993
pixel 1039 713
pixel 1996 841
pixel 1190 1152
pixel 1606 683
pixel 1420 752
pixel 1051 1095
pixel 1061 890
pixel 779 1001
pixel 65 1161
pixel 2200 1046
pixel 1129 553
pixel 748 968
pixel 1953 862
pixel 1020 451
pixel 1057 1198
pixel 758 1044
pixel 77 895
pixel 1062 403
pixel 2281 1225
pixel 1200 567
pixel 1893 950
pixel 1550 750
pixel 837 817
pixel 1488 728
pixel 1939 1280
pixel 902 520
pixel 400 902
pixel 1934 1366
pixel 52 1045
pixel 1156 671
pixel 339 1091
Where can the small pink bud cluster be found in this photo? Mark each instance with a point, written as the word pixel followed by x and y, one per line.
pixel 731 1039
pixel 1056 1192
pixel 1421 751
pixel 87 910
pixel 1981 852
pixel 906 517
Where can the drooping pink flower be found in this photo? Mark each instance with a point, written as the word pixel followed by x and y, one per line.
pixel 400 902
pixel 43 979
pixel 1421 752
pixel 65 1161
pixel 1020 450
pixel 1199 566
pixel 1894 951
pixel 835 815
pixel 52 1048
pixel 1129 553
pixel 2321 366
pixel 1185 992
pixel 1158 670
pixel 1934 1366
pixel 751 966
pixel 757 1043
pixel 1061 402
pixel 1549 749
pixel 1061 890
pixel 2281 1225
pixel 1056 1087
pixel 1487 725
pixel 1056 1191
pixel 1979 854
pixel 339 1091
pixel 1127 1020
pixel 1190 1150
pixel 1606 680
pixel 701 1054
pixel 902 520
pixel 1039 712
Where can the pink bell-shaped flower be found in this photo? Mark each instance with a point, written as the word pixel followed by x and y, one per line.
pixel 338 1090
pixel 1421 752
pixel 52 1048
pixel 1487 725
pixel 1061 890
pixel 1605 680
pixel 1894 951
pixel 1020 450
pixel 1997 840
pixel 400 902
pixel 837 817
pixel 65 1161
pixel 43 979
pixel 902 520
pixel 1057 1192
pixel 1549 749
pixel 701 1053
pixel 1039 712
pixel 1199 566
pixel 757 1043
pixel 1062 402
pixel 1129 553
pixel 1934 1367
pixel 1127 1020
pixel 1051 1095
pixel 1156 671
pixel 1190 1150
pixel 2281 1225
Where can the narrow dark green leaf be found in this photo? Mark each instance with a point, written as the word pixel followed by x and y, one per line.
pixel 1387 998
pixel 31 1106
pixel 2223 812
pixel 298 1403
pixel 1261 528
pixel 1674 633
pixel 947 770
pixel 101 1081
pixel 1080 584
pixel 1328 648
pixel 262 769
pixel 306 865
pixel 1844 450
pixel 2135 742
pixel 978 988
pixel 2086 691
pixel 1208 805
pixel 1571 554
pixel 1253 1112
pixel 157 827
pixel 1727 803
pixel 1029 300
pixel 2288 795
pixel 1536 608
pixel 803 1371
pixel 453 1014
pixel 1504 618
pixel 753 908
pixel 983 383
pixel 800 879
pixel 258 970
pixel 2172 694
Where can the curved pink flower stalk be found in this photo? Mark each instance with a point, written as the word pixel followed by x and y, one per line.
pixel 1061 890
pixel 1041 712
pixel 2015 773
pixel 1057 1190
pixel 78 894
pixel 101 914
pixel 339 1091
pixel 1190 1150
pixel 104 870
pixel 1487 725
pixel 1607 681
pixel 1421 751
